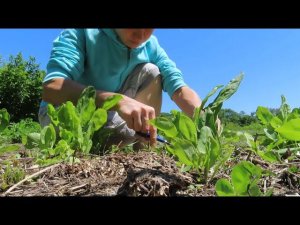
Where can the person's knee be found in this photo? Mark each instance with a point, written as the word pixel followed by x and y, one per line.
pixel 152 69
pixel 148 68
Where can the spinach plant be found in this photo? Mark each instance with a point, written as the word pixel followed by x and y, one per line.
pixel 195 142
pixel 244 181
pixel 281 132
pixel 75 126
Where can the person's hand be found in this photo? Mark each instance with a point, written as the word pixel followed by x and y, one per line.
pixel 137 116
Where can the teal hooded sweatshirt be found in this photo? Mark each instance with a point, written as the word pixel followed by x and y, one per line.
pixel 97 57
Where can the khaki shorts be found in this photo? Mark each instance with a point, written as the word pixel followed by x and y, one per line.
pixel 115 130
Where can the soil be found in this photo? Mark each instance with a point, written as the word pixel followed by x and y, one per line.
pixel 141 173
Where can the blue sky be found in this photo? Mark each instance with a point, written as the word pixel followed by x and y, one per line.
pixel 269 58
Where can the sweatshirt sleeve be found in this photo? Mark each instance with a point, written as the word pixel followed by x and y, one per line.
pixel 67 55
pixel 171 76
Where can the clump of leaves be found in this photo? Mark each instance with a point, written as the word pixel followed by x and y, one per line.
pixel 16 132
pixel 281 132
pixel 195 142
pixel 244 181
pixel 75 127
pixel 11 175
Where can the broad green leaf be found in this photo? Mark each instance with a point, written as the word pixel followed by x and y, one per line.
pixel 276 122
pixel 85 111
pixel 215 151
pixel 290 130
pixel 227 91
pixel 62 146
pixel 111 101
pixel 254 190
pixel 255 171
pixel 224 188
pixel 4 119
pixel 98 119
pixel 52 113
pixel 66 135
pixel 87 145
pixel 185 151
pixel 187 128
pixel 211 119
pixel 69 120
pixel 9 148
pixel 211 145
pixel 32 140
pixel 166 125
pixel 264 115
pixel 243 175
pixel 48 136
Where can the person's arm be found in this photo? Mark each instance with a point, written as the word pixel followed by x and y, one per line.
pixel 187 100
pixel 59 90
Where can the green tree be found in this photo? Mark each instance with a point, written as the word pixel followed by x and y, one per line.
pixel 242 119
pixel 20 87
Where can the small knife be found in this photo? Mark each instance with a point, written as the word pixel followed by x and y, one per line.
pixel 158 137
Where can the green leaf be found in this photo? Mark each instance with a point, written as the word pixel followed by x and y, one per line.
pixel 264 115
pixel 62 147
pixel 69 120
pixel 85 110
pixel 32 140
pixel 98 119
pixel 242 176
pixel 48 136
pixel 52 113
pixel 187 128
pixel 111 101
pixel 185 151
pixel 290 130
pixel 224 188
pixel 254 190
pixel 227 91
pixel 211 145
pixel 211 93
pixel 66 135
pixel 166 125
pixel 276 122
